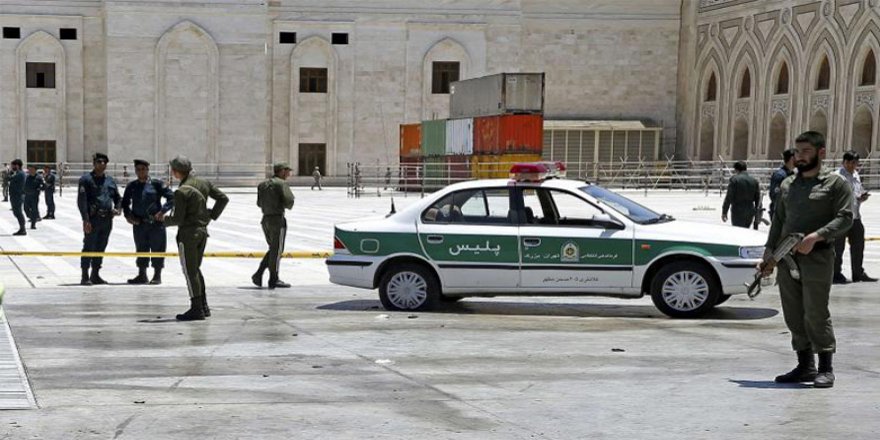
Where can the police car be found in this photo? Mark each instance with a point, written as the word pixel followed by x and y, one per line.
pixel 540 234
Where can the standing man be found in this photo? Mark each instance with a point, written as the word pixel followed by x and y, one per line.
pixel 273 197
pixel 317 176
pixel 387 178
pixel 856 235
pixel 778 176
pixel 16 194
pixel 141 202
pixel 744 194
pixel 818 204
pixel 5 175
pixel 191 215
pixel 49 178
pixel 33 187
pixel 98 201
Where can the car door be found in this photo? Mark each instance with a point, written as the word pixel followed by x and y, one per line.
pixel 566 243
pixel 472 237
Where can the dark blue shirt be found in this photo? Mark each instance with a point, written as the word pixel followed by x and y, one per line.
pixel 16 183
pixel 97 195
pixel 33 185
pixel 144 199
pixel 775 180
pixel 49 181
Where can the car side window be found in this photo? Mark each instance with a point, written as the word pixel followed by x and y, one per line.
pixel 572 210
pixel 440 211
pixel 476 206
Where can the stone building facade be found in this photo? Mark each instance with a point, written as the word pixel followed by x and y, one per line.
pixel 252 81
pixel 759 72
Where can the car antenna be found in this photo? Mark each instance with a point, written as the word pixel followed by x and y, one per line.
pixel 393 211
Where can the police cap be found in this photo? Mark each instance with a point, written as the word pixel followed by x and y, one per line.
pixel 181 163
pixel 280 166
pixel 141 162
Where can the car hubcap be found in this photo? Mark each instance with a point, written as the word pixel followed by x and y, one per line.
pixel 407 290
pixel 685 291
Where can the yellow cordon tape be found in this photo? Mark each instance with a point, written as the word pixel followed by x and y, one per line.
pixel 294 254
pixel 872 238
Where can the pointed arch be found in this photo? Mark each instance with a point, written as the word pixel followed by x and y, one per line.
pixel 195 36
pixel 744 68
pixel 868 75
pixel 863 131
pixel 315 52
pixel 745 84
pixel 822 80
pixel 783 67
pixel 41 46
pixel 711 93
pixel 445 49
pixel 827 55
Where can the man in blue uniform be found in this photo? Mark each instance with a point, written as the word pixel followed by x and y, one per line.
pixel 98 201
pixel 141 202
pixel 49 178
pixel 33 187
pixel 16 194
pixel 778 176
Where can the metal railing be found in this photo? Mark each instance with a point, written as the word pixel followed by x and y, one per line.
pixel 229 175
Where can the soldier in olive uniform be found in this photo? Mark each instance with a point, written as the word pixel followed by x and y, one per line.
pixel 141 201
pixel 744 195
pixel 5 174
pixel 16 194
pixel 98 201
pixel 33 187
pixel 49 178
pixel 273 197
pixel 191 215
pixel 818 204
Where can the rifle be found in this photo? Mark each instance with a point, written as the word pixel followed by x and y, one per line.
pixel 783 252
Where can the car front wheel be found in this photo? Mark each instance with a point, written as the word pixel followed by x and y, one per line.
pixel 685 290
pixel 409 287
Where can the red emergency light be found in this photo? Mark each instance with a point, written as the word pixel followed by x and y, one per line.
pixel 537 171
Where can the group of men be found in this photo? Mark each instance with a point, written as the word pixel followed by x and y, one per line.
pixel 150 206
pixel 23 190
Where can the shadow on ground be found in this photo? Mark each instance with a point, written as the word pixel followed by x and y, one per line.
pixel 768 384
pixel 477 307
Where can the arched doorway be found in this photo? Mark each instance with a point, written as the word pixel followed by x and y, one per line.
pixel 740 140
pixel 707 140
pixel 778 141
pixel 819 122
pixel 863 132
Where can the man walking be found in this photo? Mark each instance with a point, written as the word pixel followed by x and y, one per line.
pixel 273 197
pixel 5 174
pixel 16 194
pixel 778 176
pixel 856 234
pixel 33 188
pixel 98 201
pixel 49 178
pixel 818 204
pixel 191 215
pixel 141 201
pixel 744 195
pixel 317 176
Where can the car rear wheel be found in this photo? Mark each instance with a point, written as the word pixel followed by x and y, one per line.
pixel 685 290
pixel 409 287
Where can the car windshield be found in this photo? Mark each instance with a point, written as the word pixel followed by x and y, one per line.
pixel 625 206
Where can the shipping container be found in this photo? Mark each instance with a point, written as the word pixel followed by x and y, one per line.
pixel 410 174
pixel 460 136
pixel 436 173
pixel 410 140
pixel 434 138
pixel 499 94
pixel 498 166
pixel 459 168
pixel 509 134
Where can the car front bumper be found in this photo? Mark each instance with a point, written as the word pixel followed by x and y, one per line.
pixel 736 274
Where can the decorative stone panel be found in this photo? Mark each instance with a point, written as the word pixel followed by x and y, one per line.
pixel 779 105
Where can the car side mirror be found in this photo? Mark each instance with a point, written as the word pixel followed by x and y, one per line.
pixel 607 222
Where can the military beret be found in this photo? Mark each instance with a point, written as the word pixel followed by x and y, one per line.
pixel 100 156
pixel 281 166
pixel 141 162
pixel 181 163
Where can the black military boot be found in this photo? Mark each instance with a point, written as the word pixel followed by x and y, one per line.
pixel 157 276
pixel 33 225
pixel 96 277
pixel 804 372
pixel 278 284
pixel 85 281
pixel 257 279
pixel 141 277
pixel 196 310
pixel 825 378
pixel 21 231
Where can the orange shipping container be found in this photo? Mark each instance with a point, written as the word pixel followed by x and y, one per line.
pixel 509 134
pixel 410 140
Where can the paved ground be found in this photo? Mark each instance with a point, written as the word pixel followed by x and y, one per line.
pixel 322 361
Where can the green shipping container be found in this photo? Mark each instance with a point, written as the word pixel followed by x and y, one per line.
pixel 434 138
pixel 436 172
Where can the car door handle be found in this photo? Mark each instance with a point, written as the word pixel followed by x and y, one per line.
pixel 532 242
pixel 435 239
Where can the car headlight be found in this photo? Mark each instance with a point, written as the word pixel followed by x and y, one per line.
pixel 751 252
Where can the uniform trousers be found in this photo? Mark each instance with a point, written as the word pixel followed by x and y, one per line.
pixel 17 204
pixel 805 301
pixel 275 230
pixel 191 242
pixel 96 241
pixel 150 237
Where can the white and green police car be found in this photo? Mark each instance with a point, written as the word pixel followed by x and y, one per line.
pixel 539 235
